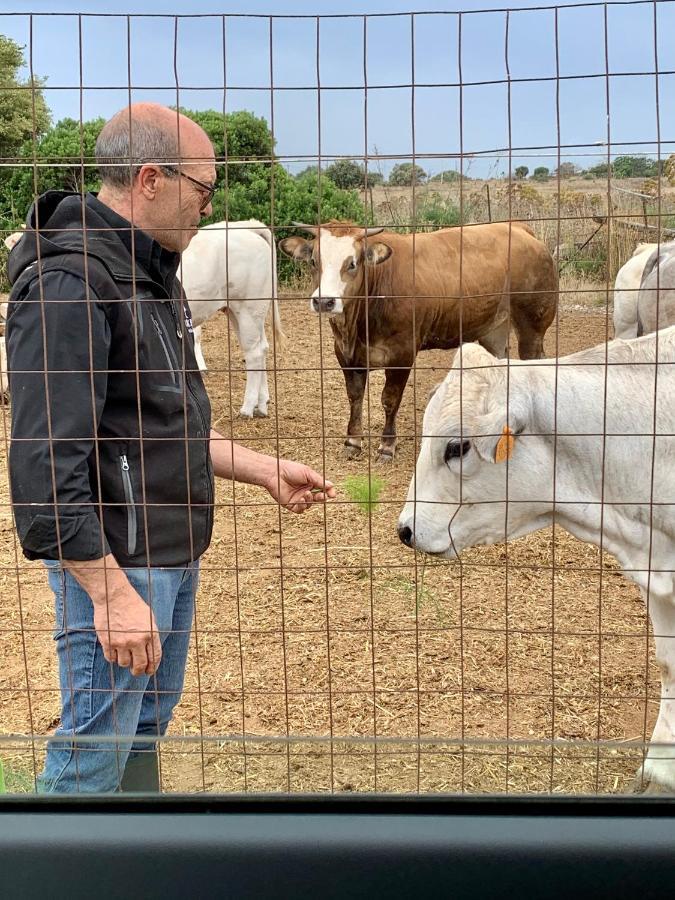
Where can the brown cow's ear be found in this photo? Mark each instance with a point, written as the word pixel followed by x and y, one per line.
pixel 297 248
pixel 377 253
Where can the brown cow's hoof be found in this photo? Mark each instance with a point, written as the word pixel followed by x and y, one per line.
pixel 352 452
pixel 384 456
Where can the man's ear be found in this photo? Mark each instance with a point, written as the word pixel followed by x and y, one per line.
pixel 377 253
pixel 297 248
pixel 147 180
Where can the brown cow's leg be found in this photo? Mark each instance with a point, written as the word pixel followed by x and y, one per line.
pixel 497 341
pixel 394 385
pixel 355 380
pixel 532 315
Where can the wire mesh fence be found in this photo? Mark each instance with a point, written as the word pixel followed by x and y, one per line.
pixel 507 647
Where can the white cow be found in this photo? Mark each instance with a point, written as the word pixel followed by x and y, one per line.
pixel 457 497
pixel 232 266
pixel 627 287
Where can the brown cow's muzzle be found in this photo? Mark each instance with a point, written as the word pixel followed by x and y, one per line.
pixel 323 304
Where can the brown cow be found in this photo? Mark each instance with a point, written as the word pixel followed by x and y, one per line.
pixel 385 305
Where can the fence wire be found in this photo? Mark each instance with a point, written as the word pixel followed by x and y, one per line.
pixel 324 655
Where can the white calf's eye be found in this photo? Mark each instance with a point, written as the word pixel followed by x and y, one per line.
pixel 455 449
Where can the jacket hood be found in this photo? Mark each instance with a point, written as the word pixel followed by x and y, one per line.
pixel 54 226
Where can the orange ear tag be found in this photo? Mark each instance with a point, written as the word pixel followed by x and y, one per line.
pixel 505 444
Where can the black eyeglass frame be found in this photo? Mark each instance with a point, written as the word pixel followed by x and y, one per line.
pixel 208 189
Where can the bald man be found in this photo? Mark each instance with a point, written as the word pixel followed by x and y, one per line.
pixel 112 460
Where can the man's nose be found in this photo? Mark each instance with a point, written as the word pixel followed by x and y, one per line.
pixel 323 304
pixel 406 535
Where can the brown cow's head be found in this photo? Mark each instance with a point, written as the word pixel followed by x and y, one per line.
pixel 338 256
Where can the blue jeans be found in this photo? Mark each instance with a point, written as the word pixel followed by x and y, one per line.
pixel 99 698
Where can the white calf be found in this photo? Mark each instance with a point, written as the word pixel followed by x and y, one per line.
pixel 627 288
pixel 457 497
pixel 232 266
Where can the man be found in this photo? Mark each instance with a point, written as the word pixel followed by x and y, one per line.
pixel 112 457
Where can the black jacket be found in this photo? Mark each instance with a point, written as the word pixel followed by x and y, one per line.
pixel 110 449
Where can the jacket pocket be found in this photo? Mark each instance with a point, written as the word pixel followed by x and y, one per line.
pixel 171 361
pixel 132 518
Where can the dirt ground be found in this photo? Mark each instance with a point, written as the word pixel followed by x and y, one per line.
pixel 526 672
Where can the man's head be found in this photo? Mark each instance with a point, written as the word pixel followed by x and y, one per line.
pixel 157 170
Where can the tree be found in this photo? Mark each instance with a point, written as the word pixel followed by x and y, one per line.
pixel 65 162
pixel 308 170
pixel 521 172
pixel 405 174
pixel 374 178
pixel 449 176
pixel 18 121
pixel 567 170
pixel 634 167
pixel 599 171
pixel 239 137
pixel 345 173
pixel 541 173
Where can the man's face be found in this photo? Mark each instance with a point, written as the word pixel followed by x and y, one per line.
pixel 185 199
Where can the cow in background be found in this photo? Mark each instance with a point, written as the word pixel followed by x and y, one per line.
pixel 627 287
pixel 389 298
pixel 231 266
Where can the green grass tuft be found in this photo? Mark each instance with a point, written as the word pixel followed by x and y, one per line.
pixel 364 491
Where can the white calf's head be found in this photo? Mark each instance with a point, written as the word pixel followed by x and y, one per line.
pixel 338 257
pixel 457 497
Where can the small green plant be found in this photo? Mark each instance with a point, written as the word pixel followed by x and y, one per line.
pixel 364 490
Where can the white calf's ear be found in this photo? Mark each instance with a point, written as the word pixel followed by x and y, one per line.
pixel 297 248
pixel 377 253
pixel 495 438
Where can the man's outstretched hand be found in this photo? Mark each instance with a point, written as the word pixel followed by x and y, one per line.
pixel 297 486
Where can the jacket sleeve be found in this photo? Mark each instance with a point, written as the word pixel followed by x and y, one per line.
pixel 55 415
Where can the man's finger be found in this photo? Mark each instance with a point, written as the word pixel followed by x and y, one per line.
pixel 123 658
pixel 139 660
pixel 154 650
pixel 318 481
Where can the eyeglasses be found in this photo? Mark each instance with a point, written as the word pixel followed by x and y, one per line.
pixel 208 190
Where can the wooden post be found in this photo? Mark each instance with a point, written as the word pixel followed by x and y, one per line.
pixel 487 191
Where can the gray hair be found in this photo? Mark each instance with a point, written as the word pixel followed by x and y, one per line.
pixel 124 146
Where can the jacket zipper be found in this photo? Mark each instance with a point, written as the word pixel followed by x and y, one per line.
pixel 132 524
pixel 172 366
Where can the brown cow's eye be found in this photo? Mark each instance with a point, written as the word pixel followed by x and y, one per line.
pixel 455 449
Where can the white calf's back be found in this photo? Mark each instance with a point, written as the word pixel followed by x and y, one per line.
pixel 626 290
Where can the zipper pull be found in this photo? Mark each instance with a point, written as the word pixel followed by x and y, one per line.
pixel 179 333
pixel 124 463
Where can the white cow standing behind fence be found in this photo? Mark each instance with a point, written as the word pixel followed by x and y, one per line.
pixel 627 288
pixel 457 497
pixel 232 266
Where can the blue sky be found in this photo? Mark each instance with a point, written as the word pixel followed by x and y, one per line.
pixel 341 128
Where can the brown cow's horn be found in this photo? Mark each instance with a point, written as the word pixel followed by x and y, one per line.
pixel 311 228
pixel 371 232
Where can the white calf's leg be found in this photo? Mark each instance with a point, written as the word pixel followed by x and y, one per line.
pixel 263 388
pixel 254 355
pixel 201 362
pixel 658 772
